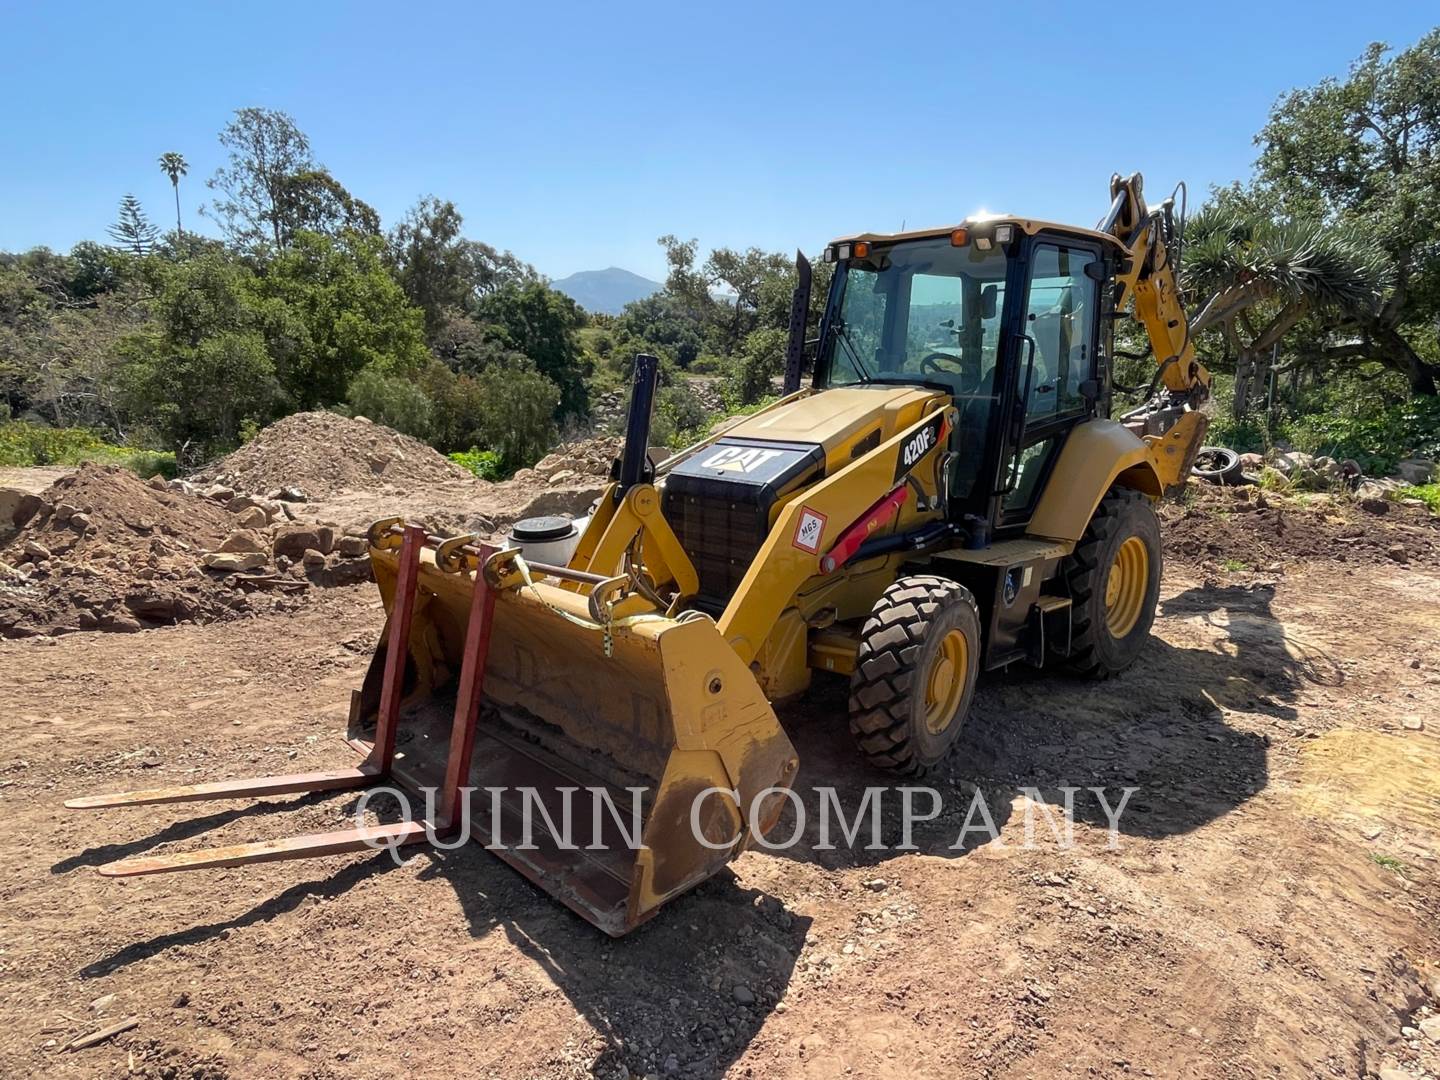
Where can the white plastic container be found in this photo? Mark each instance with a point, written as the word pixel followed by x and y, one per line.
pixel 549 540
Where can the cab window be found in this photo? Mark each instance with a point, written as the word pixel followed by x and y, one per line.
pixel 1060 320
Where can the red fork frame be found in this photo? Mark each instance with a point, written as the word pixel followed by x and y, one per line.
pixel 376 766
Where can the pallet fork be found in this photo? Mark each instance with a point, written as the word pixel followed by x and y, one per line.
pixel 376 768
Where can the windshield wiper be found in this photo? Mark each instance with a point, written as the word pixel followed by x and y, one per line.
pixel 842 335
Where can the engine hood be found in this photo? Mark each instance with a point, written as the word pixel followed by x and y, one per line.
pixel 845 422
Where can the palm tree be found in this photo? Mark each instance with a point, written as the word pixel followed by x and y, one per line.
pixel 1258 278
pixel 174 166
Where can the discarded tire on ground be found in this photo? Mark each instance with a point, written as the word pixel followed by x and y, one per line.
pixel 1218 465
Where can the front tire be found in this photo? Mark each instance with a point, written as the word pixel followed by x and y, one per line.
pixel 915 673
pixel 1114 581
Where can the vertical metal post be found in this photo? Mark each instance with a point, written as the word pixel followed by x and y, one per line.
pixel 799 314
pixel 469 693
pixel 637 423
pixel 397 650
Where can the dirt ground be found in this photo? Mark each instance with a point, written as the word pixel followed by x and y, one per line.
pixel 1271 909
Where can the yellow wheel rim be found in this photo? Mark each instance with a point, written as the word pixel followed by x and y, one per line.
pixel 945 686
pixel 1126 586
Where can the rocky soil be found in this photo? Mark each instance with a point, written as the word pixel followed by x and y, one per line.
pixel 1251 529
pixel 1269 907
pixel 257 531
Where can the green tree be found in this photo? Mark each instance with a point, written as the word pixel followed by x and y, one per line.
pixel 761 361
pixel 197 397
pixel 516 404
pixel 133 231
pixel 329 309
pixel 741 276
pixel 204 369
pixel 174 166
pixel 392 400
pixel 443 272
pixel 312 200
pixel 1364 151
pixel 666 322
pixel 541 323
pixel 265 149
pixel 508 408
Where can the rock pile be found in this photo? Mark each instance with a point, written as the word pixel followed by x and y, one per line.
pixel 318 454
pixel 104 550
pixel 1318 472
pixel 584 461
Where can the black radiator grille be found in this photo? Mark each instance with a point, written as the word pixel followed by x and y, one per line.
pixel 719 500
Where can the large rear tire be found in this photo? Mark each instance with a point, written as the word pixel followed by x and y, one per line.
pixel 1114 581
pixel 915 673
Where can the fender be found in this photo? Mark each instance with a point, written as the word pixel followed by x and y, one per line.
pixel 1096 455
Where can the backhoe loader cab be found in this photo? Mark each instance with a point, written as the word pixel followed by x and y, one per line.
pixel 1005 318
pixel 948 495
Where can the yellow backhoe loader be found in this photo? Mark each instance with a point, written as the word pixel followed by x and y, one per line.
pixel 948 495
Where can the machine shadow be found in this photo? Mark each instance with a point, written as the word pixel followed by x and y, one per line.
pixel 330 886
pixel 695 984
pixel 1159 729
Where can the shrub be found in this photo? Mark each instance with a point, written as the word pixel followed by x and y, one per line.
pixel 709 364
pixel 1429 494
pixel 485 464
pixel 1376 437
pixel 197 398
pixel 680 417
pixel 391 400
pixel 515 413
pixel 24 444
pixel 761 359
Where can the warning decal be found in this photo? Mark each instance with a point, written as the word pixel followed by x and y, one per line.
pixel 808 530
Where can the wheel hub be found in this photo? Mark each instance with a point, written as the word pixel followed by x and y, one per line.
pixel 1126 586
pixel 945 687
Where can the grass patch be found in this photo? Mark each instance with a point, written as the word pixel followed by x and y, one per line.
pixel 1234 565
pixel 1429 494
pixel 1389 862
pixel 23 445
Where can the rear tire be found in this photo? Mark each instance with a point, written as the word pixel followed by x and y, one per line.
pixel 915 673
pixel 1114 581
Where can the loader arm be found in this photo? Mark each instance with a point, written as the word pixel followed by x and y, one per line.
pixel 1169 419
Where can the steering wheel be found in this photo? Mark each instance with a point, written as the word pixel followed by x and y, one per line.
pixel 930 364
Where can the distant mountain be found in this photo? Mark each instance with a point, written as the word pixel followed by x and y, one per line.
pixel 605 290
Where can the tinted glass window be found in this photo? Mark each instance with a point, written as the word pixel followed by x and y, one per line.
pixel 1060 317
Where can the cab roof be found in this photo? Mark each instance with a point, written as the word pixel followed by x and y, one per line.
pixel 1030 226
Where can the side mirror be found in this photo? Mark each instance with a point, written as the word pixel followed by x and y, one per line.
pixel 989 296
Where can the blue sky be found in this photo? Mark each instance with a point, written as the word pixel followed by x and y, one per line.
pixel 575 134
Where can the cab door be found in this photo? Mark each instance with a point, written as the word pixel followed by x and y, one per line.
pixel 1055 348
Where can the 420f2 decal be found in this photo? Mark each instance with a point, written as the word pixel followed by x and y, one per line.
pixel 919 444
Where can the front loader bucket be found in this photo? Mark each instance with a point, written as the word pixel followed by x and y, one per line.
pixel 638 725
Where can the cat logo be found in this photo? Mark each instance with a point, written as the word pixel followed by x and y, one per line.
pixel 741 459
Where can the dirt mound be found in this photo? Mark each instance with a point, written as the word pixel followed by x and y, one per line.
pixel 1245 528
pixel 107 551
pixel 322 454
